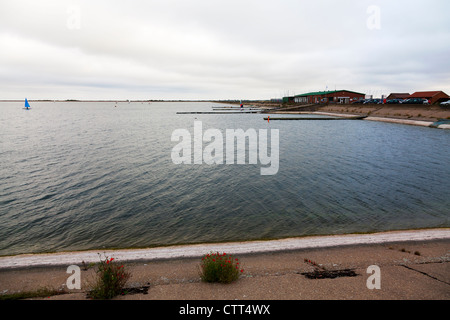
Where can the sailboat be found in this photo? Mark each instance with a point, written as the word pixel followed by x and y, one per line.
pixel 27 105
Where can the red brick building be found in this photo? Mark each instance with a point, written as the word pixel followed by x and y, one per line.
pixel 398 96
pixel 432 96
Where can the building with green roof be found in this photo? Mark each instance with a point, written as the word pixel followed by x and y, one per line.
pixel 336 96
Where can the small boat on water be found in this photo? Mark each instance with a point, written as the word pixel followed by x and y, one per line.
pixel 27 105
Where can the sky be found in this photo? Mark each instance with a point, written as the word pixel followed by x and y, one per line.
pixel 220 50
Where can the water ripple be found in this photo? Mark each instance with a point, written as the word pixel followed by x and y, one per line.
pixel 79 176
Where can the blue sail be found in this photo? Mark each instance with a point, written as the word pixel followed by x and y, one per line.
pixel 27 105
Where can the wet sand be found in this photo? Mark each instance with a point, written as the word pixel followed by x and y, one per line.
pixel 413 265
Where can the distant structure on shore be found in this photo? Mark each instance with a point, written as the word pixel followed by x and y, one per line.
pixel 398 96
pixel 336 96
pixel 431 96
pixel 347 97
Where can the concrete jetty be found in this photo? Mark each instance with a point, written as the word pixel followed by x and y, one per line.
pixel 317 118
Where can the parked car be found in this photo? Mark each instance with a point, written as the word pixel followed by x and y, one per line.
pixel 373 101
pixel 394 101
pixel 359 101
pixel 445 103
pixel 415 101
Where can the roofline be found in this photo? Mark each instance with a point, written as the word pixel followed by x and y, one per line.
pixel 432 93
pixel 320 93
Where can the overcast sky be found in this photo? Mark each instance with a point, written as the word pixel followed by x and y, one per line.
pixel 211 49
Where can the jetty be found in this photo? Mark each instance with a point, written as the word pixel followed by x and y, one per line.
pixel 226 110
pixel 318 118
pixel 216 112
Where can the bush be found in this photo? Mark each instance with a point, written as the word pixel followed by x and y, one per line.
pixel 220 267
pixel 111 279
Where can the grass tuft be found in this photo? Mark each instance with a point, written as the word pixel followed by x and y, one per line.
pixel 220 267
pixel 111 280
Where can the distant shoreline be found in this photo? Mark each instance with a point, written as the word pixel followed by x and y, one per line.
pixel 75 100
pixel 408 112
pixel 385 113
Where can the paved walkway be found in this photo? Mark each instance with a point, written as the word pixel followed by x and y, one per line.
pixel 408 270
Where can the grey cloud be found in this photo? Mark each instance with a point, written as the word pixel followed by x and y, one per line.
pixel 205 49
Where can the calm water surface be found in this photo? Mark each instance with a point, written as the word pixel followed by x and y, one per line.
pixel 78 176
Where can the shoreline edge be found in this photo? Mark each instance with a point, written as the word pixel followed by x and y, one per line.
pixel 198 250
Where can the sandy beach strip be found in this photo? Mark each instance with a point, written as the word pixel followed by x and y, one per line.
pixel 197 250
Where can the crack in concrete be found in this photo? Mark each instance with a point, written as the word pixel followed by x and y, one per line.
pixel 424 273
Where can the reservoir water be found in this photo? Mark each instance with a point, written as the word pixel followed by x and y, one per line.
pixel 99 175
